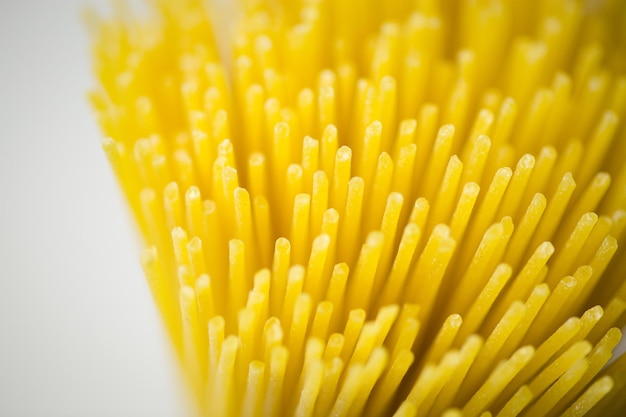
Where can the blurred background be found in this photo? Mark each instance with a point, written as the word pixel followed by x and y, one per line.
pixel 79 335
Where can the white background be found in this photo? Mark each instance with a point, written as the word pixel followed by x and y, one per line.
pixel 79 335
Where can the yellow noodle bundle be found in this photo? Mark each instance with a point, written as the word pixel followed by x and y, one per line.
pixel 378 208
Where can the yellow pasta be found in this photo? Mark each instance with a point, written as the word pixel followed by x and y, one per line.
pixel 252 403
pixel 498 379
pixel 542 381
pixel 377 208
pixel 595 393
pixel 389 383
pixel 548 400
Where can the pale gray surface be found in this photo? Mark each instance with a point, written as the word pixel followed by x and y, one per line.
pixel 79 335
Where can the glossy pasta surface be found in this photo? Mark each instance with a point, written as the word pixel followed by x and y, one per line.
pixel 378 208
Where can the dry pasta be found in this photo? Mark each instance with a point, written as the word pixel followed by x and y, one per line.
pixel 362 208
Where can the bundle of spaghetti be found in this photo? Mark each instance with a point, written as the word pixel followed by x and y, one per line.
pixel 378 208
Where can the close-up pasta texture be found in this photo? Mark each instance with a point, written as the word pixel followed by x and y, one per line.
pixel 377 208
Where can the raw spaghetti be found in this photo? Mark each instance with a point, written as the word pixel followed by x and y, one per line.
pixel 363 208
